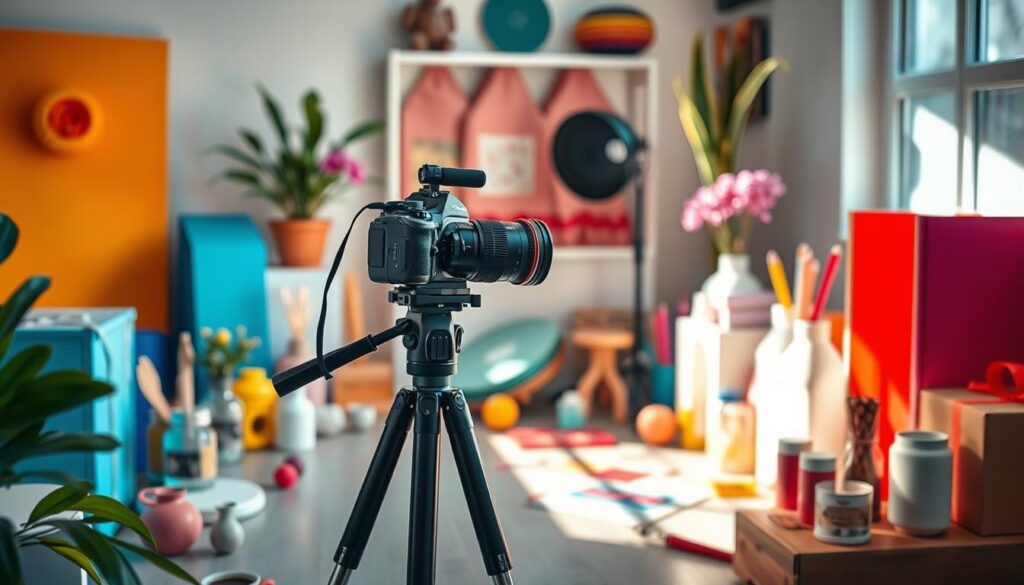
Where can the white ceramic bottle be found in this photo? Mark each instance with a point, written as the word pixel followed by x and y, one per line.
pixel 295 425
pixel 812 370
pixel 764 394
pixel 920 482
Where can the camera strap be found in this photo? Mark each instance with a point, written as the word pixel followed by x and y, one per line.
pixel 327 287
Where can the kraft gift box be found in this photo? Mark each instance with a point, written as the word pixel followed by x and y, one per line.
pixel 986 436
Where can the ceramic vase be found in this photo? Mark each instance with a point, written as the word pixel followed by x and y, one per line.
pixel 226 534
pixel 812 369
pixel 920 482
pixel 362 417
pixel 226 410
pixel 763 396
pixel 863 455
pixel 569 410
pixel 732 278
pixel 174 521
pixel 299 353
pixel 295 425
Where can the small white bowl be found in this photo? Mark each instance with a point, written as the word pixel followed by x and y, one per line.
pixel 362 416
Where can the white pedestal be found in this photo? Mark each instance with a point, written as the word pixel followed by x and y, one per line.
pixel 709 360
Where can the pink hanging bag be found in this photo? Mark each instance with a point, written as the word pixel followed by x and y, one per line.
pixel 432 117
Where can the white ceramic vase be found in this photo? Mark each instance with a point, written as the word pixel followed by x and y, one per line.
pixel 812 371
pixel 732 277
pixel 295 425
pixel 920 482
pixel 764 396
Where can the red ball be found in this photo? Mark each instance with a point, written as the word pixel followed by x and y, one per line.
pixel 285 476
pixel 296 462
pixel 268 581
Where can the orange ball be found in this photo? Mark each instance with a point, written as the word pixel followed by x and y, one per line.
pixel 500 412
pixel 656 424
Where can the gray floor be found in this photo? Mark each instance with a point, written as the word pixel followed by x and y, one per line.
pixel 294 539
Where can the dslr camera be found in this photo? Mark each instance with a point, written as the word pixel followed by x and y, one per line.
pixel 429 237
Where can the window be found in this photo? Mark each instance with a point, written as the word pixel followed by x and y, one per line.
pixel 957 99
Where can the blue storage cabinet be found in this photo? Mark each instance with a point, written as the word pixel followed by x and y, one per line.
pixel 100 342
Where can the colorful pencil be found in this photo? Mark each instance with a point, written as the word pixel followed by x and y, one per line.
pixel 675 542
pixel 777 274
pixel 803 258
pixel 811 271
pixel 827 278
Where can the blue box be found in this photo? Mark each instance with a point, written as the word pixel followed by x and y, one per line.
pixel 100 342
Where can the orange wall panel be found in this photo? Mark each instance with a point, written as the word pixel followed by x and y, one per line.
pixel 96 221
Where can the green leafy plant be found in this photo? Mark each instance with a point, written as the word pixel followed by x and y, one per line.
pixel 714 124
pixel 300 176
pixel 220 356
pixel 27 400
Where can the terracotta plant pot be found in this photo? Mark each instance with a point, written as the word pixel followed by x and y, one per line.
pixel 300 242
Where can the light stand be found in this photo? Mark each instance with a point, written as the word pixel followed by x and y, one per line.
pixel 597 154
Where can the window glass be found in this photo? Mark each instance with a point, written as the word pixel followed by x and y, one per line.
pixel 1000 151
pixel 929 36
pixel 928 154
pixel 1002 30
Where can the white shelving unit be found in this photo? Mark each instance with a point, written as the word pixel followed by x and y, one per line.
pixel 581 276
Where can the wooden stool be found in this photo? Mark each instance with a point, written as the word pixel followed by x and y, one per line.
pixel 602 344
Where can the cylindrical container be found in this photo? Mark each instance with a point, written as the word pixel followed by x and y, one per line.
pixel 733 452
pixel 811 367
pixel 788 465
pixel 569 410
pixel 842 515
pixel 663 384
pixel 920 482
pixel 259 401
pixel 190 450
pixel 295 426
pixel 770 427
pixel 155 446
pixel 226 411
pixel 815 467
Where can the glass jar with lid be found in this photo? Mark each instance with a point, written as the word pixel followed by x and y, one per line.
pixel 190 450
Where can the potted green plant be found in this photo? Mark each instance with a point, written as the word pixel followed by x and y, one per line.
pixel 299 176
pixel 729 202
pixel 220 356
pixel 27 400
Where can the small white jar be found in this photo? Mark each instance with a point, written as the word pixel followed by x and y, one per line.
pixel 920 482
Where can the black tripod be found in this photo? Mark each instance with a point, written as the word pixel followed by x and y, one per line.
pixel 433 344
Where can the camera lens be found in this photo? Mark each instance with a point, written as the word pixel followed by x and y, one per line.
pixel 488 251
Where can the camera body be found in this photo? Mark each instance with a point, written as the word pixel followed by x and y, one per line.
pixel 404 242
pixel 429 237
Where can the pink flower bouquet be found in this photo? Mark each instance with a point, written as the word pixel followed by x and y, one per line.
pixel 729 206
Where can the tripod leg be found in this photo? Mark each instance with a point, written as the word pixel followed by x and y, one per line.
pixel 481 509
pixel 375 485
pixel 423 507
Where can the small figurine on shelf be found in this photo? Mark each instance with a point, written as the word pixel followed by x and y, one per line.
pixel 220 358
pixel 430 27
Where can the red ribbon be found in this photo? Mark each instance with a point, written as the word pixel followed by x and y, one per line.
pixel 994 386
pixel 994 383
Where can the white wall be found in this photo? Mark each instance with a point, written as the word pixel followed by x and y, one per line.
pixel 219 49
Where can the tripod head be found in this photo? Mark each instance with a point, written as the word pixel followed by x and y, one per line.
pixel 431 340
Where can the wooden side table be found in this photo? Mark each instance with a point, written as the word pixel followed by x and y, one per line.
pixel 602 344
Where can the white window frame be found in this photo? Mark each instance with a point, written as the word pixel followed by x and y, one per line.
pixel 969 76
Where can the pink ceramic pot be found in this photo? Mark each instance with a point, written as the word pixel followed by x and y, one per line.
pixel 174 521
